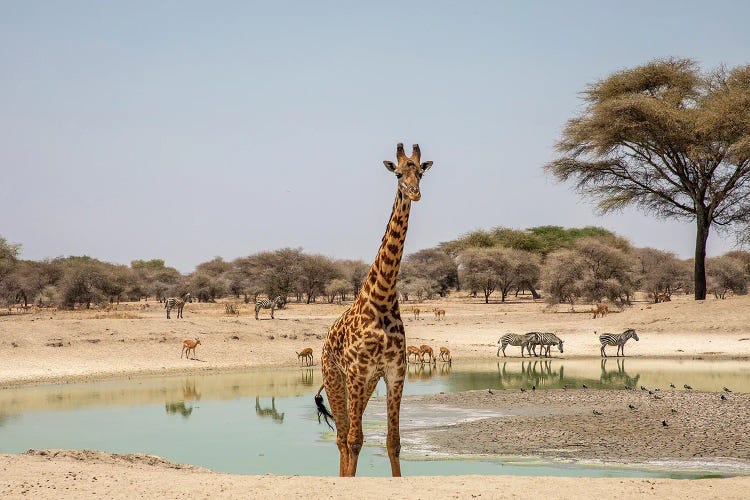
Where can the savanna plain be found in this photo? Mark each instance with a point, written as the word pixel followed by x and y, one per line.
pixel 42 346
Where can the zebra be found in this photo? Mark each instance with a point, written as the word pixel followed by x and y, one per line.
pixel 516 340
pixel 544 340
pixel 177 302
pixel 268 304
pixel 618 340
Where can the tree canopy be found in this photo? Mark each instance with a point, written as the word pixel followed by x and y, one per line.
pixel 668 139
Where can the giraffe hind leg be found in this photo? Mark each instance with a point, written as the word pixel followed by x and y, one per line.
pixel 335 388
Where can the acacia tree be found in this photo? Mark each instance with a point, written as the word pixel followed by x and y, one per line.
pixel 726 273
pixel 490 269
pixel 668 139
pixel 435 266
pixel 660 272
pixel 316 272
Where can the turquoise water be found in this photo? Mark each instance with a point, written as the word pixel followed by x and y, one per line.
pixel 264 421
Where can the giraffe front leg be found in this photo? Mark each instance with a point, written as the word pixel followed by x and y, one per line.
pixel 337 400
pixel 393 439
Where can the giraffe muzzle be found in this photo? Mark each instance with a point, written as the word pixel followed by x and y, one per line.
pixel 412 192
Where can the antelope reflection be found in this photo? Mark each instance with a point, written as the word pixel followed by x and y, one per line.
pixel 180 408
pixel 307 376
pixel 421 371
pixel 268 412
pixel 189 393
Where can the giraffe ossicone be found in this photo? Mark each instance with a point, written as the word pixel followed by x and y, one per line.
pixel 367 342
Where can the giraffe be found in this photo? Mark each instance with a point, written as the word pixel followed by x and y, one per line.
pixel 368 341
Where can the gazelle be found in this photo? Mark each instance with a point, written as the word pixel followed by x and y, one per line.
pixel 445 354
pixel 189 345
pixel 307 355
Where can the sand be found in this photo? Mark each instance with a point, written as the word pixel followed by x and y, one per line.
pixel 45 346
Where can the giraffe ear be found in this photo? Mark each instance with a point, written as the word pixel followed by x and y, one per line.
pixel 426 166
pixel 389 165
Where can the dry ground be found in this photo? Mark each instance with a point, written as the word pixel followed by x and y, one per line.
pixel 44 346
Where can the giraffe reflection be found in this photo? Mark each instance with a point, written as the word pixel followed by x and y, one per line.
pixel 268 412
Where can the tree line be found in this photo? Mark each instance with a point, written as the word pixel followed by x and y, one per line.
pixel 560 265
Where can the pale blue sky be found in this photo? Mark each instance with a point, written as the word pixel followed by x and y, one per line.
pixel 185 130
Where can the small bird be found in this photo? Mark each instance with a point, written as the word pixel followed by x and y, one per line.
pixel 565 388
pixel 656 396
pixel 687 387
pixel 631 407
pixel 650 393
pixel 664 423
pixel 627 387
pixel 643 388
pixel 490 391
pixel 584 386
pixel 674 411
pixel 726 389
pixel 523 390
pixel 723 397
pixel 597 412
pixel 533 387
pixel 671 385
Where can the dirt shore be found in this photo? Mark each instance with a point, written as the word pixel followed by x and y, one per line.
pixel 602 425
pixel 44 347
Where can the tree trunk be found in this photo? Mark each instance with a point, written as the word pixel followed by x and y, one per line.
pixel 700 256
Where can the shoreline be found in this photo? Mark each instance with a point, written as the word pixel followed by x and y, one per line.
pixel 91 346
pixel 96 376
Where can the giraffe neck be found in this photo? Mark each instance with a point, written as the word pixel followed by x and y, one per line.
pixel 380 283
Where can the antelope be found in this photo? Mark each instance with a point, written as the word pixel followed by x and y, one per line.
pixel 189 345
pixel 415 310
pixel 439 313
pixel 445 354
pixel 412 351
pixel 600 309
pixel 306 354
pixel 425 349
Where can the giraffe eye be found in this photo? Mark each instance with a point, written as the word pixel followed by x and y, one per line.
pixel 398 176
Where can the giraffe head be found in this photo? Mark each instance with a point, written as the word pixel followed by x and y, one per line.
pixel 408 170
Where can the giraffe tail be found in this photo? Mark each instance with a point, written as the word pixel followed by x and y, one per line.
pixel 322 410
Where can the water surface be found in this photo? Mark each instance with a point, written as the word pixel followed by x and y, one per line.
pixel 264 421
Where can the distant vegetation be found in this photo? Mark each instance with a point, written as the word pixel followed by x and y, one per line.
pixel 577 265
pixel 670 140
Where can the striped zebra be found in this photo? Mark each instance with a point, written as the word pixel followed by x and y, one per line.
pixel 268 304
pixel 617 339
pixel 545 341
pixel 178 302
pixel 515 340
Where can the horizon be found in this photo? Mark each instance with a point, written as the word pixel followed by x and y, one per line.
pixel 183 132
